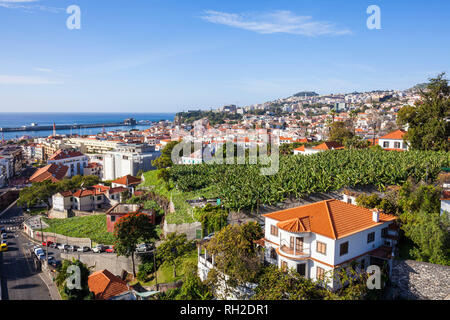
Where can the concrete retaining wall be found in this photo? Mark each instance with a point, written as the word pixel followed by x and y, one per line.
pixel 115 264
pixel 189 229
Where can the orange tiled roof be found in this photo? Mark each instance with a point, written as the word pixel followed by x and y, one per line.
pixel 330 145
pixel 445 195
pixel 396 135
pixel 295 225
pixel 63 154
pixel 50 172
pixel 127 181
pixel 302 148
pixel 105 285
pixel 331 218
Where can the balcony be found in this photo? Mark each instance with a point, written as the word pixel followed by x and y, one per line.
pixel 302 252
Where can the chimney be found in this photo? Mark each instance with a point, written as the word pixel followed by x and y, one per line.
pixel 376 215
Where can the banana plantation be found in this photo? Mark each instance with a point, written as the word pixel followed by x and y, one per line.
pixel 242 187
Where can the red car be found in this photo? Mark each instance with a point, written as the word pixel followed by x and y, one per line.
pixel 110 249
pixel 47 243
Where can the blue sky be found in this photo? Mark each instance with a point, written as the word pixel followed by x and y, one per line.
pixel 168 56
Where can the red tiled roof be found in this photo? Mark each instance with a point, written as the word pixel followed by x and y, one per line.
pixel 331 218
pixel 396 135
pixel 105 285
pixel 50 172
pixel 127 181
pixel 64 154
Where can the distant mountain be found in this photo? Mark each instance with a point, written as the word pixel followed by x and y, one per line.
pixel 306 93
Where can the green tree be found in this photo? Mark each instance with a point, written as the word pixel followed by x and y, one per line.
pixel 193 288
pixel 129 231
pixel 339 132
pixel 423 224
pixel 165 159
pixel 63 275
pixel 428 128
pixel 237 261
pixel 213 218
pixel 173 249
pixel 276 284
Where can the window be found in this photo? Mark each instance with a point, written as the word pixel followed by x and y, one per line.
pixel 321 247
pixel 99 198
pixel 344 248
pixel 397 145
pixel 298 244
pixel 384 232
pixel 113 218
pixel 283 265
pixel 349 200
pixel 363 264
pixel 386 144
pixel 320 273
pixel 125 158
pixel 371 237
pixel 273 253
pixel 301 269
pixel 405 146
pixel 274 230
pixel 71 199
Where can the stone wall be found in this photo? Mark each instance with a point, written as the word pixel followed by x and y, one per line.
pixel 190 229
pixel 414 280
pixel 100 261
pixel 58 238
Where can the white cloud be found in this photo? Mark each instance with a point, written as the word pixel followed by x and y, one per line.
pixel 26 5
pixel 25 80
pixel 46 70
pixel 281 21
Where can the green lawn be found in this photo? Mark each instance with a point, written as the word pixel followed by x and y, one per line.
pixel 93 227
pixel 183 211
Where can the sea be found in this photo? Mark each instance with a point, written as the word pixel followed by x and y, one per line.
pixel 14 119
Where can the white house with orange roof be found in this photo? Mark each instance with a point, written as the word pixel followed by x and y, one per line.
pixel 393 141
pixel 329 145
pixel 318 238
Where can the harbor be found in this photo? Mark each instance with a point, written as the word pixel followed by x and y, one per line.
pixel 34 127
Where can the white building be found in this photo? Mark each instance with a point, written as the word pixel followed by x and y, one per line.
pixel 393 141
pixel 321 237
pixel 128 160
pixel 6 170
pixel 74 160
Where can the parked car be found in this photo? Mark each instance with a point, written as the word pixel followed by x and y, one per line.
pixel 2 229
pixel 41 256
pixel 4 241
pixel 209 236
pixel 50 258
pixel 54 263
pixel 110 249
pixel 73 248
pixel 4 236
pixel 48 243
pixel 53 245
pixel 3 247
pixel 38 252
pixel 144 247
pixel 99 248
pixel 63 246
pixel 83 249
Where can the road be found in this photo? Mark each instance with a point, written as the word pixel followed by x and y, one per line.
pixel 19 279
